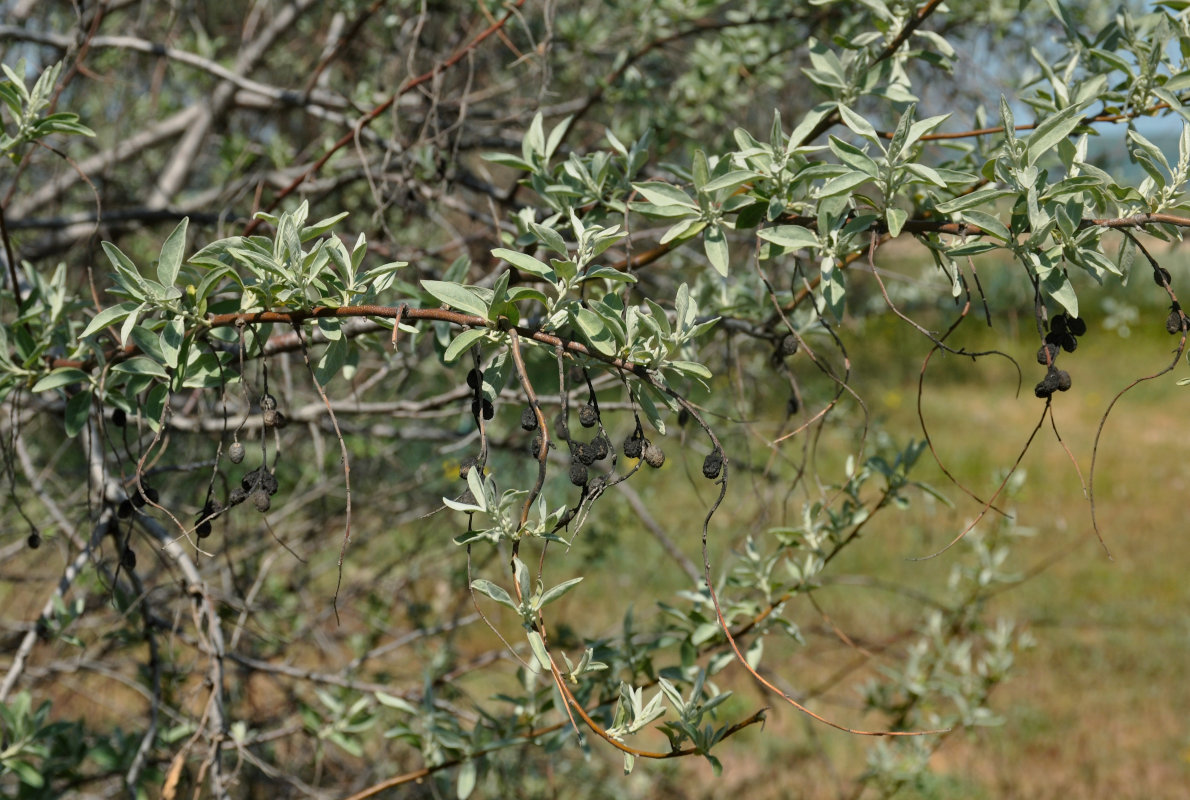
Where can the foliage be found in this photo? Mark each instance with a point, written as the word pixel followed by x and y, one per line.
pixel 632 291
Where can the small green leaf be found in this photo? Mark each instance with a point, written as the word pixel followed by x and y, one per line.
pixel 895 217
pixel 465 784
pixel 1054 129
pixel 170 260
pixel 78 410
pixel 140 365
pixel 457 296
pixel 665 194
pixel 493 591
pixel 526 263
pixel 63 376
pixel 792 236
pixel 461 343
pixel 714 241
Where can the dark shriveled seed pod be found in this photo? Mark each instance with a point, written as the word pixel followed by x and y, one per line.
pixel 712 465
pixel 633 446
pixel 528 418
pixel 578 473
pixel 236 452
pixel 587 416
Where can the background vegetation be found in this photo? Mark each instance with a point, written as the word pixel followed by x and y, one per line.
pixel 279 519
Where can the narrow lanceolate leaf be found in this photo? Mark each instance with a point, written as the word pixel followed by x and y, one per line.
pixel 59 378
pixel 457 296
pixel 493 591
pixel 111 315
pixel 715 243
pixel 1053 130
pixel 789 236
pixel 171 254
pixel 461 343
pixel 664 194
pixel 525 263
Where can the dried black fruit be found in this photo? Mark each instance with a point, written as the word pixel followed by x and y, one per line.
pixel 119 418
pixel 1069 343
pixel 654 456
pixel 1063 380
pixel 587 416
pixel 203 529
pixel 535 445
pixel 712 464
pixel 259 478
pixel 584 453
pixel 633 446
pixel 1058 324
pixel 1173 323
pixel 128 558
pixel 236 452
pixel 561 429
pixel 124 510
pixel 1049 384
pixel 529 418
pixel 476 407
pixel 1047 354
pixel 33 540
pixel 237 495
pixel 466 466
pixel 138 499
pixel 683 418
pixel 261 500
pixel 474 378
pixel 1053 337
pixel 1161 276
pixel 488 409
pixel 788 345
pixel 268 402
pixel 270 417
pixel 1076 325
pixel 600 446
pixel 578 473
pixel 792 405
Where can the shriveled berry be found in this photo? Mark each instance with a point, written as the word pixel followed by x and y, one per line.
pixel 788 345
pixel 1063 381
pixel 633 446
pixel 1047 354
pixel 236 452
pixel 1161 276
pixel 1076 325
pixel 33 540
pixel 269 417
pixel 792 406
pixel 600 447
pixel 535 445
pixel 128 558
pixel 1173 323
pixel 474 378
pixel 124 510
pixel 561 429
pixel 1069 343
pixel 683 418
pixel 476 407
pixel 236 496
pixel 587 416
pixel 529 418
pixel 268 402
pixel 1058 324
pixel 119 418
pixel 203 529
pixel 712 464
pixel 1049 384
pixel 654 456
pixel 488 409
pixel 261 501
pixel 259 478
pixel 578 473
pixel 138 499
pixel 584 453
